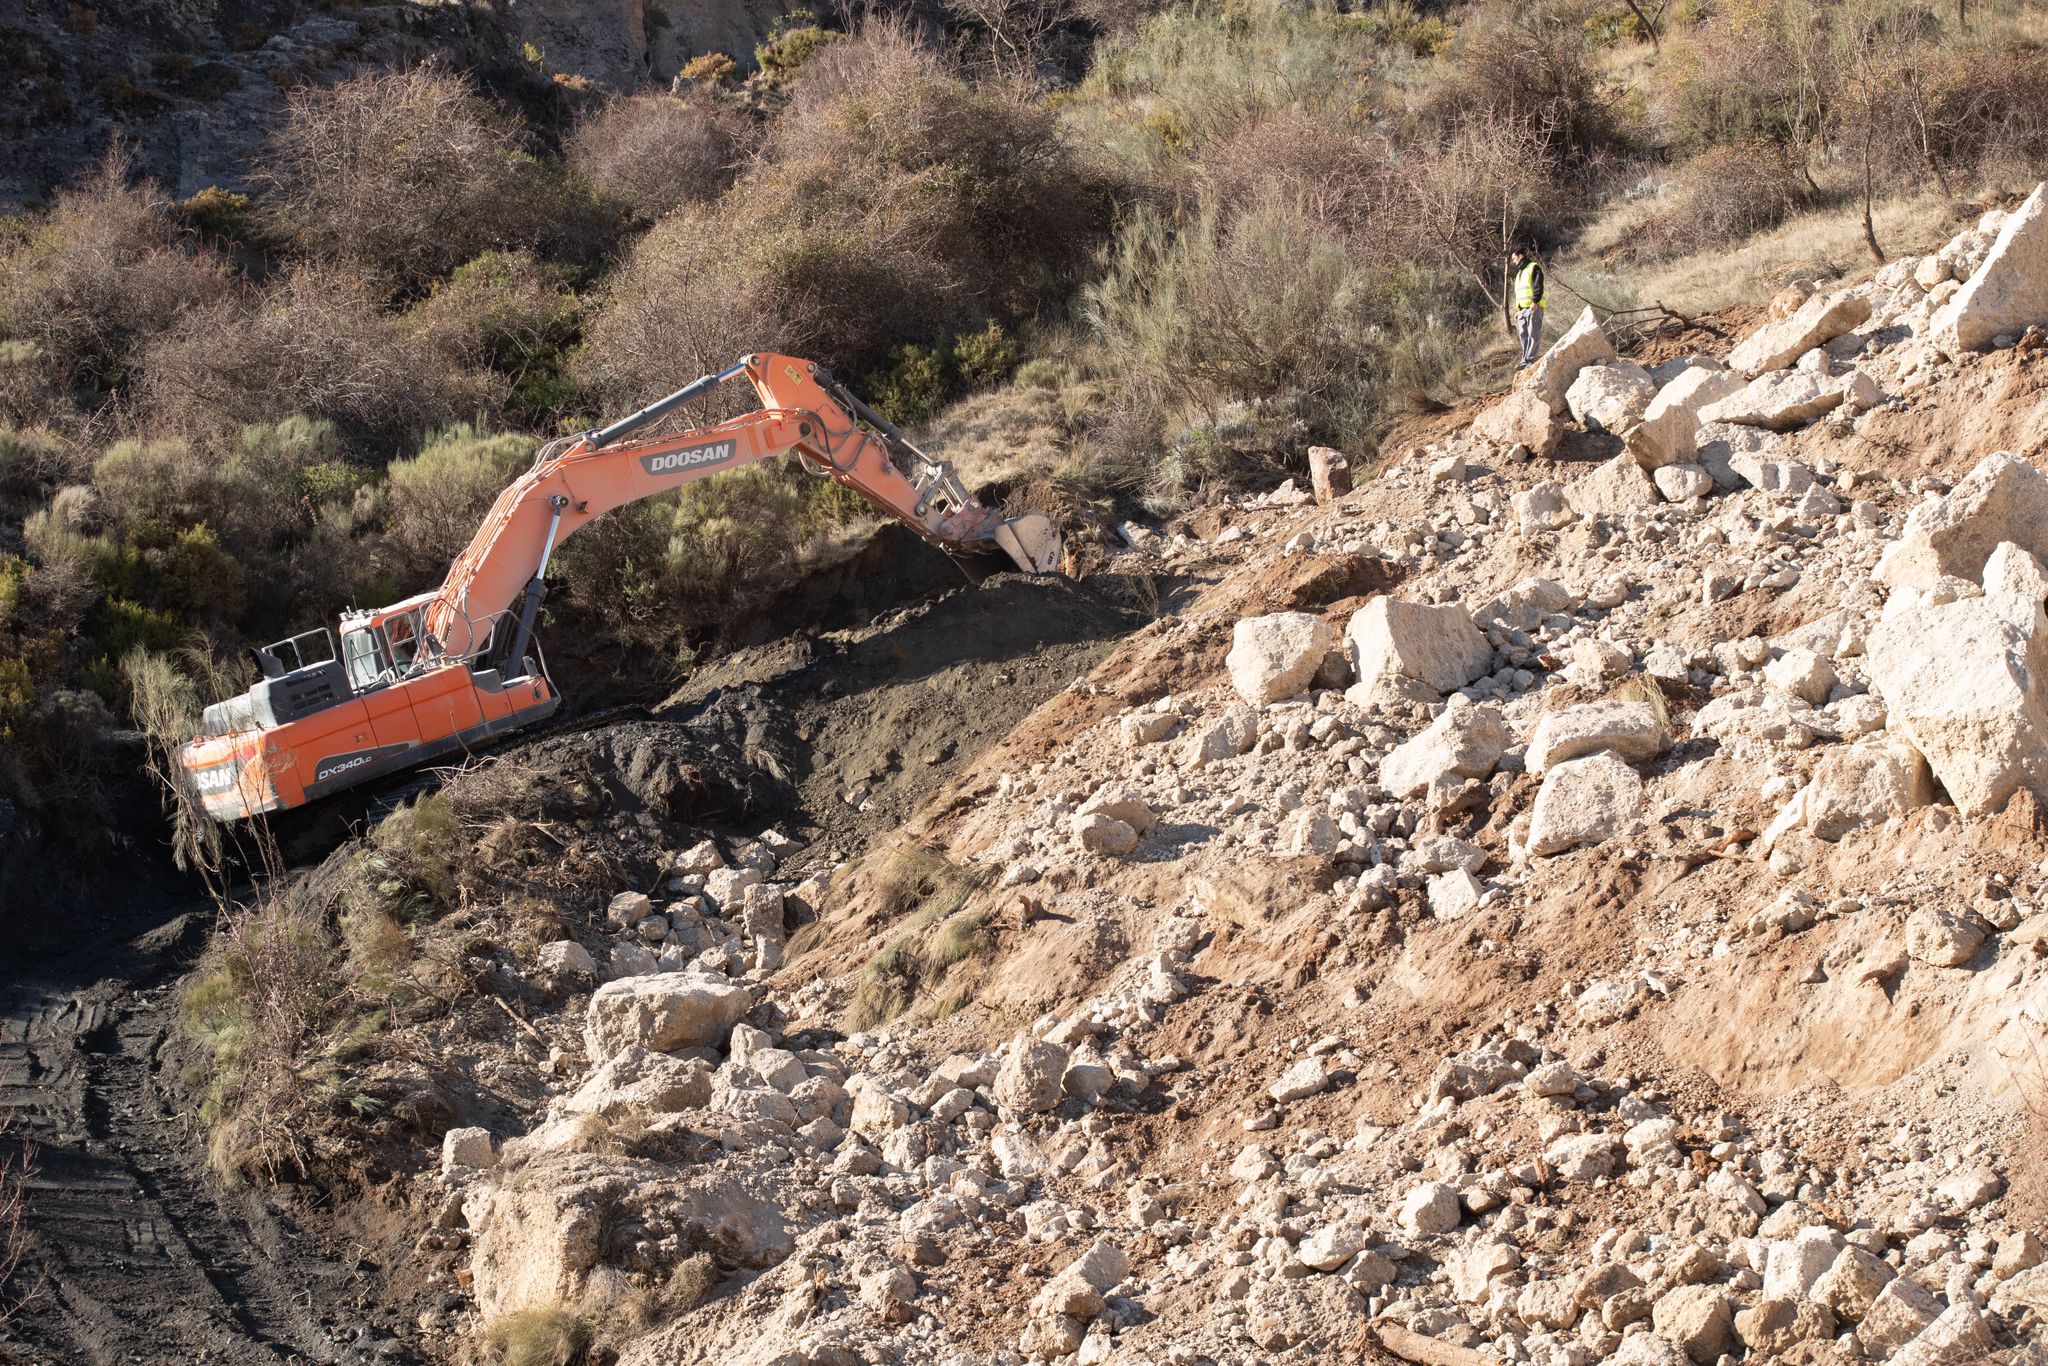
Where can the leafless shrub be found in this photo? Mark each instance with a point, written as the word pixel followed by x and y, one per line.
pixel 88 284
pixel 968 202
pixel 19 1288
pixel 652 153
pixel 317 344
pixel 406 175
pixel 1723 195
pixel 1342 176
pixel 1472 195
pixel 1012 40
pixel 1529 65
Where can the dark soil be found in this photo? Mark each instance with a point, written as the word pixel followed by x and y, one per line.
pixel 863 724
pixel 136 1253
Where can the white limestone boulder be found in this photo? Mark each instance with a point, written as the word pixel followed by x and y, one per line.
pixel 2009 290
pixel 1582 802
pixel 1438 647
pixel 1583 344
pixel 1963 682
pixel 1276 656
pixel 2003 500
pixel 1464 742
pixel 1816 322
pixel 1611 397
pixel 1634 730
pixel 663 1011
pixel 1780 401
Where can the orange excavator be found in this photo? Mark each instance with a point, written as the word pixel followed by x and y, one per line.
pixel 449 669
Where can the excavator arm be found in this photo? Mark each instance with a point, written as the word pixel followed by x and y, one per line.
pixel 803 410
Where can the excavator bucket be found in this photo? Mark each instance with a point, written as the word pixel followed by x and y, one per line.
pixel 1032 541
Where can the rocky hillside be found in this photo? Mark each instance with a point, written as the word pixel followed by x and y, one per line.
pixel 1577 897
pixel 197 89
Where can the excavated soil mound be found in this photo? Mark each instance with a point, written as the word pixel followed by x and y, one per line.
pixel 861 725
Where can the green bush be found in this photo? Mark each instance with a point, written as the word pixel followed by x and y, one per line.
pixel 1194 75
pixel 1393 23
pixel 1250 334
pixel 515 316
pixel 919 380
pixel 793 41
pixel 435 500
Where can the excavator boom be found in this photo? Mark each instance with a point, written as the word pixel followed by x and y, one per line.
pixel 451 667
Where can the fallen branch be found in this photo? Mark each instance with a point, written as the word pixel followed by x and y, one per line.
pixel 519 1020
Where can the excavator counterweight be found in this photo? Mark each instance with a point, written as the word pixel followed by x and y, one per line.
pixel 456 666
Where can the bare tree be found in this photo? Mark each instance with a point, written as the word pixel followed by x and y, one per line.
pixel 1011 38
pixel 1649 13
pixel 1884 50
pixel 1472 194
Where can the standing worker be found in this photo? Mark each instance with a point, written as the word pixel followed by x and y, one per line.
pixel 1528 277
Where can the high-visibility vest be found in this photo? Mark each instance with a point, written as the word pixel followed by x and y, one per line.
pixel 1528 292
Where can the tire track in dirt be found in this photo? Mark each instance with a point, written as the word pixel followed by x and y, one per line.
pixel 141 1254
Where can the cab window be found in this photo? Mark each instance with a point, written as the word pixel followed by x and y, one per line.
pixel 402 639
pixel 359 652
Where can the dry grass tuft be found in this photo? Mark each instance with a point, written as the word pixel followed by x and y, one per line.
pixel 539 1335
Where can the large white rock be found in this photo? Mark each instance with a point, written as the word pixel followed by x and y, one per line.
pixel 1868 784
pixel 2003 500
pixel 1032 1078
pixel 1431 1207
pixel 1806 674
pixel 1680 483
pixel 1792 1265
pixel 1613 489
pixel 1583 344
pixel 1852 1283
pixel 1819 320
pixel 1901 1311
pixel 1610 397
pixel 540 1233
pixel 637 1081
pixel 1438 647
pixel 1544 507
pixel 1525 605
pixel 1780 400
pixel 469 1148
pixel 1521 417
pixel 1720 444
pixel 1275 656
pixel 1464 742
pixel 1669 431
pixel 662 1011
pixel 2016 571
pixel 2009 291
pixel 1960 1334
pixel 1633 730
pixel 1963 682
pixel 1583 801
